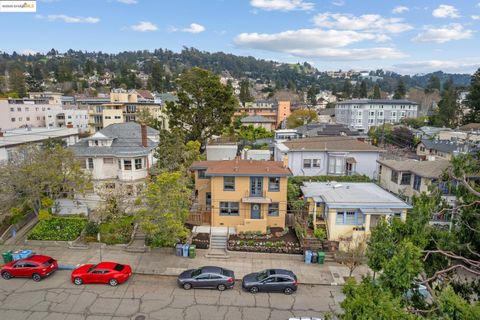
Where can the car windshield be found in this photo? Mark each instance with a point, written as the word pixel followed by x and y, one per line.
pixel 92 268
pixel 196 272
pixel 119 267
pixel 48 262
pixel 264 274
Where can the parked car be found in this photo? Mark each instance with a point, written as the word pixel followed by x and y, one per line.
pixel 36 267
pixel 270 280
pixel 207 277
pixel 111 273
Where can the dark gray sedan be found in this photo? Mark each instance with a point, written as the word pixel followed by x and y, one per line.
pixel 207 277
pixel 271 280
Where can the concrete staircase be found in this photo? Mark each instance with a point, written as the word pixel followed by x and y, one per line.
pixel 218 245
pixel 138 242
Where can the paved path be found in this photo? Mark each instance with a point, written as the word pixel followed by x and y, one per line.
pixel 154 297
pixel 164 262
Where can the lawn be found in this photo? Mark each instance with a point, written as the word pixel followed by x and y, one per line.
pixel 58 229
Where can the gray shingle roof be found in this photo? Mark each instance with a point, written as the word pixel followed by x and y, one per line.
pixel 127 141
pixel 443 145
pixel 427 169
pixel 256 119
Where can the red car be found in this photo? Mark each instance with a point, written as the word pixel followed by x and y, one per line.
pixel 111 273
pixel 35 267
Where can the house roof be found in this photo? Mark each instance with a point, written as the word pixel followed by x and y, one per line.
pixel 256 119
pixel 127 141
pixel 145 94
pixel 238 167
pixel 377 101
pixel 443 145
pixel 470 127
pixel 330 144
pixel 427 169
pixel 352 195
pixel 325 129
pixel 327 112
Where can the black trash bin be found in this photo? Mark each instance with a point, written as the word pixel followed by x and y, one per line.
pixel 314 257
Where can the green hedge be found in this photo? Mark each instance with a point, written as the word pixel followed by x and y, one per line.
pixel 116 231
pixel 58 229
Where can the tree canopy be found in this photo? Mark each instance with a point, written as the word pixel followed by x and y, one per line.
pixel 300 117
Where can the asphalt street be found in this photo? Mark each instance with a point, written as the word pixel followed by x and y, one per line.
pixel 146 297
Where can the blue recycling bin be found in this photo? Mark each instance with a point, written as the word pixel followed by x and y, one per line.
pixel 179 249
pixel 185 250
pixel 25 254
pixel 308 256
pixel 16 255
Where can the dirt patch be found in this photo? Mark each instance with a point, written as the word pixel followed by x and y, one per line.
pixel 277 241
pixel 201 240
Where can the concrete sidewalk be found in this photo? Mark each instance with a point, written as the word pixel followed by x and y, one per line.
pixel 164 262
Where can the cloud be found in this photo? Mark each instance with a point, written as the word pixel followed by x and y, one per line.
pixel 144 26
pixel 466 65
pixel 193 28
pixel 338 3
pixel 128 1
pixel 475 17
pixel 68 19
pixel 316 43
pixel 28 52
pixel 446 11
pixel 282 5
pixel 367 22
pixel 452 31
pixel 400 9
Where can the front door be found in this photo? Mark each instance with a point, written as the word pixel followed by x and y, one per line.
pixel 208 200
pixel 256 186
pixel 255 211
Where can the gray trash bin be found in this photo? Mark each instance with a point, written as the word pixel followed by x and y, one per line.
pixel 178 249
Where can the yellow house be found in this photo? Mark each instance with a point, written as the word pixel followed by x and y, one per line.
pixel 248 195
pixel 350 210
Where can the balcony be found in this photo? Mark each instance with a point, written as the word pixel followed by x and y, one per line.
pixel 256 197
pixel 199 215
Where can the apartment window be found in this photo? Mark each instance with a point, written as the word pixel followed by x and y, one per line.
pixel 336 165
pixel 20 119
pixel 83 164
pixel 90 163
pixel 69 117
pixel 316 163
pixel 138 164
pixel 201 174
pixel 108 160
pixel 13 119
pixel 127 164
pixel 12 109
pixel 118 117
pixel 417 182
pixel 307 163
pixel 99 109
pixel 394 176
pixel 228 183
pixel 38 118
pixel 119 164
pixel 273 209
pixel 349 217
pixel 36 109
pixel 108 117
pixel 229 209
pixel 274 184
pixel 406 178
pixel 19 109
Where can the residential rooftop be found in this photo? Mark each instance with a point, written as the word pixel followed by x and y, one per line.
pixel 377 101
pixel 330 144
pixel 256 119
pixel 446 146
pixel 352 195
pixel 33 134
pixel 239 167
pixel 427 169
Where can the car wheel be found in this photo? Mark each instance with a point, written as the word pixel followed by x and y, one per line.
pixel 6 275
pixel 288 290
pixel 113 282
pixel 253 290
pixel 221 287
pixel 187 286
pixel 36 277
pixel 78 281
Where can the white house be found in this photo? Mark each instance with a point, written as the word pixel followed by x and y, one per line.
pixel 71 118
pixel 10 140
pixel 118 156
pixel 328 156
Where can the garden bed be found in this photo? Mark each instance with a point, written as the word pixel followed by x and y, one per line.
pixel 201 240
pixel 276 241
pixel 58 229
pixel 117 231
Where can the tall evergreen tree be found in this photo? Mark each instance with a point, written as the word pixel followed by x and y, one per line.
pixel 376 92
pixel 433 84
pixel 363 89
pixel 473 100
pixel 448 109
pixel 347 89
pixel 245 95
pixel 400 91
pixel 155 83
pixel 17 82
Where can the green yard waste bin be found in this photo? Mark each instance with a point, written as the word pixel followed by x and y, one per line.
pixel 321 257
pixel 192 251
pixel 7 256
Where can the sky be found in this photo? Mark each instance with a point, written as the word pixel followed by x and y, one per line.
pixel 409 36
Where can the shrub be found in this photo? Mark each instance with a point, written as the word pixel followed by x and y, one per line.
pixel 58 229
pixel 116 231
pixel 320 234
pixel 91 229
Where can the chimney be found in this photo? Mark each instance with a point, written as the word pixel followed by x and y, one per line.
pixel 144 135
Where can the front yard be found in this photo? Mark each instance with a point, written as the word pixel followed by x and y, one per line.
pixel 276 241
pixel 58 229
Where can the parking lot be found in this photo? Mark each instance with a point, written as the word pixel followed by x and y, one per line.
pixel 154 297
